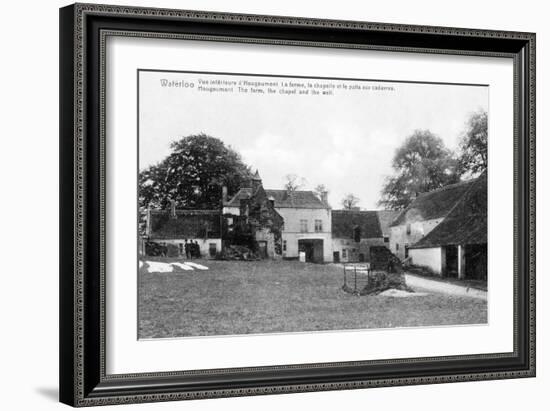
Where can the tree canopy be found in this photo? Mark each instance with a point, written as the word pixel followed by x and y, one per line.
pixel 421 164
pixel 193 174
pixel 293 182
pixel 472 159
pixel 350 201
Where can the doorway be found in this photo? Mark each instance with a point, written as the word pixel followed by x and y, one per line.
pixel 313 248
pixel 262 249
pixel 451 261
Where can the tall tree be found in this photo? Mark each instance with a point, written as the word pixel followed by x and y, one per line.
pixel 192 174
pixel 350 201
pixel 472 159
pixel 320 189
pixel 421 164
pixel 293 182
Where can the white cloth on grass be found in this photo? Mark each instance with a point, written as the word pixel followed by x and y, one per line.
pixel 195 265
pixel 158 267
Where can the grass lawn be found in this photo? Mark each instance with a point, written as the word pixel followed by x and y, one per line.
pixel 234 297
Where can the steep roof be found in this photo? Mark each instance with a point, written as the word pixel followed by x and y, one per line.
pixel 235 201
pixel 466 223
pixel 296 199
pixel 283 199
pixel 433 204
pixel 187 224
pixel 385 218
pixel 344 222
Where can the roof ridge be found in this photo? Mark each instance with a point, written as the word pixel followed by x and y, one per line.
pixel 355 211
pixel 423 197
pixel 237 193
pixel 448 186
pixel 294 191
pixel 458 201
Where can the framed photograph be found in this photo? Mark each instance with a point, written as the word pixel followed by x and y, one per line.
pixel 262 204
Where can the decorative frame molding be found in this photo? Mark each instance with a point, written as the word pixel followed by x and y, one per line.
pixel 83 32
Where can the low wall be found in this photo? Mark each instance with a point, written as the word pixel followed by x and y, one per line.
pixel 430 258
pixel 414 281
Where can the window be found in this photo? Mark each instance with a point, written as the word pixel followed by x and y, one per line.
pixel 303 226
pixel 318 226
pixel 408 229
pixel 284 245
pixel 344 253
pixel 396 247
pixel 386 239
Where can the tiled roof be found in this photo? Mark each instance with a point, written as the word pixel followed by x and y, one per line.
pixel 466 222
pixel 188 224
pixel 433 204
pixel 235 201
pixel 283 199
pixel 344 222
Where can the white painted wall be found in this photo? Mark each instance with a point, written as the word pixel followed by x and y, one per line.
pixel 292 229
pixel 431 258
pixel 292 217
pixel 231 210
pixel 399 237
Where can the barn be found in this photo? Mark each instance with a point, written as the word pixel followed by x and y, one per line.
pixel 457 247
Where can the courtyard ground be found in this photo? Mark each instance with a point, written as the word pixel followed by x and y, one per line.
pixel 242 297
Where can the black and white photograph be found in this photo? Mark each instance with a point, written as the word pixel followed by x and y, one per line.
pixel 287 204
pixel 275 205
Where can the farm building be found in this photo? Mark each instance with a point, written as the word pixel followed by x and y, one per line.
pixel 306 219
pixel 460 241
pixel 250 219
pixel 354 232
pixel 176 227
pixel 445 230
pixel 424 213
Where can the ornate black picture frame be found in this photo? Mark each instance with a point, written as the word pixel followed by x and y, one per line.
pixel 83 30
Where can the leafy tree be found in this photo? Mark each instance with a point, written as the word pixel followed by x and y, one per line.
pixel 350 201
pixel 193 174
pixel 472 159
pixel 421 164
pixel 293 182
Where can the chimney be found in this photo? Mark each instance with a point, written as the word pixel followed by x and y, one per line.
pixel 172 208
pixel 224 195
pixel 324 197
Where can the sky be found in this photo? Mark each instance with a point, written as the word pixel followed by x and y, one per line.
pixel 344 139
